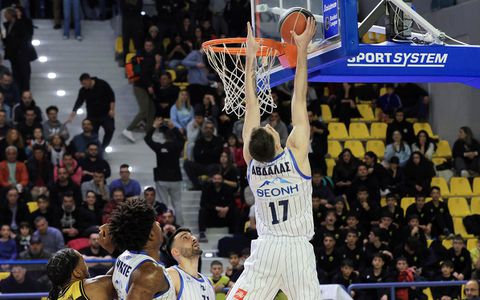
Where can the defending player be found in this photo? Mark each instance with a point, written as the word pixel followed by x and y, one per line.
pixel 137 275
pixel 189 283
pixel 282 257
pixel 68 273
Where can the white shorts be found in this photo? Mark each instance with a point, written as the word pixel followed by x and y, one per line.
pixel 278 263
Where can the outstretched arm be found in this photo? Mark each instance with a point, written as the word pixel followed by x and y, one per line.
pixel 299 137
pixel 252 108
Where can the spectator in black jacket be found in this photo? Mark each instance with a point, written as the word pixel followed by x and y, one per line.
pixel 167 174
pixel 62 185
pixel 206 154
pixel 364 179
pixel 132 25
pixel 100 101
pixel 375 274
pixel 90 212
pixel 9 89
pixel 19 282
pixel 460 256
pixel 375 169
pixel 364 208
pixel 415 100
pixel 78 145
pixel 217 207
pixel 28 125
pixel 418 174
pixel 442 222
pixel 466 151
pixel 14 210
pixel 418 209
pixel 394 177
pixel 49 212
pixel 40 172
pixel 401 125
pixel 166 94
pixel 352 250
pixel 344 171
pixel 93 161
pixel 319 143
pixel 69 221
pixel 446 292
pixel 19 110
pixel 328 258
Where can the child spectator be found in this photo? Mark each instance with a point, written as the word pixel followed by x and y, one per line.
pixel 388 230
pixel 376 274
pixel 346 276
pixel 393 208
pixel 24 236
pixel 352 250
pixel 446 292
pixel 341 212
pixel 235 269
pixel 354 223
pixel 459 255
pixel 218 280
pixel 328 259
pixel 404 274
pixel 56 148
pixel 420 211
pixel 319 212
pixel 441 217
pixel 328 227
pixel 8 247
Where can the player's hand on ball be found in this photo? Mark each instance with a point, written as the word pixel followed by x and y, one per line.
pixel 305 38
pixel 252 44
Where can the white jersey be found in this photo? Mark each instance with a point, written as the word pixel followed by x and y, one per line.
pixel 126 264
pixel 283 197
pixel 192 288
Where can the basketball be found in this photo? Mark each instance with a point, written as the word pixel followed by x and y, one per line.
pixel 294 19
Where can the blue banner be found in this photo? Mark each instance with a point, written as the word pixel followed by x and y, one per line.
pixel 330 19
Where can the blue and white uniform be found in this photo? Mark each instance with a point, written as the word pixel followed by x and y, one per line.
pixel 126 264
pixel 281 257
pixel 193 288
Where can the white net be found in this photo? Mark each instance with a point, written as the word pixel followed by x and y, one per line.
pixel 231 70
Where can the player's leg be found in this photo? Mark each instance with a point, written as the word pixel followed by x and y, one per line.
pixel 261 277
pixel 300 277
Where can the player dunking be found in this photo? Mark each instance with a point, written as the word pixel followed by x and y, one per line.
pixel 281 257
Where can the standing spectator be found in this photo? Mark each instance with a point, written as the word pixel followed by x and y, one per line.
pixel 424 144
pixel 28 125
pixel 130 186
pixel 217 207
pixel 167 174
pixel 98 185
pixel 319 143
pixel 51 237
pixel 418 174
pixel 143 90
pixel 8 247
pixel 19 282
pixel 9 90
pixel 57 149
pixel 63 184
pixel 153 35
pixel 69 218
pixel 206 154
pixel 168 14
pixel 389 102
pixel 53 126
pixel 398 148
pixel 276 123
pixel 40 172
pixel 78 145
pixel 415 100
pixel 93 161
pixel 182 112
pixel 100 100
pixel 4 124
pixel 403 126
pixel 344 171
pixel 49 212
pixel 132 25
pixel 177 50
pixel 465 152
pixel 460 256
pixel 217 7
pixel 165 95
pixel 90 213
pixel 20 109
pixel 94 251
pixel 344 107
pixel 197 74
pixel 13 173
pixel 118 197
pixel 74 170
pixel 68 6
pixel 57 14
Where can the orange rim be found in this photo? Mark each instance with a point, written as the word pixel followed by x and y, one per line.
pixel 221 45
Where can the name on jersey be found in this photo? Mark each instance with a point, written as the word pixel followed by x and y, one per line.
pixel 272 170
pixel 123 268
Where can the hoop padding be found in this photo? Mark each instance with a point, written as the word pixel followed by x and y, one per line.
pixel 229 63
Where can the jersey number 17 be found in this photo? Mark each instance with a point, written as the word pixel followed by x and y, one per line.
pixel 274 209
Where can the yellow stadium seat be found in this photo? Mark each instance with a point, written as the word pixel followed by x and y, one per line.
pixel 356 147
pixel 442 184
pixel 173 74
pixel 119 45
pixel 406 202
pixel 334 149
pixel 458 207
pixel 366 112
pixel 443 149
pixel 428 292
pixel 383 91
pixel 330 165
pixel 476 186
pixel 459 186
pixel 459 228
pixel 447 243
pixel 383 202
pixel 377 147
pixel 131 46
pixel 166 42
pixel 475 205
pixel 358 131
pixel 32 206
pixel 4 275
pixel 471 244
pixel 378 130
pixel 327 114
pixel 424 126
pixel 438 160
pixel 338 131
pixel 128 57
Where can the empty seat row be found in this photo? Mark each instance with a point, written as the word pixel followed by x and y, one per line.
pixel 357 148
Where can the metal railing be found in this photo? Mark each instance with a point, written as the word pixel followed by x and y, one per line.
pixel 394 285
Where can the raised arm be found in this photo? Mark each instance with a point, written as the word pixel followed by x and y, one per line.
pixel 299 137
pixel 252 107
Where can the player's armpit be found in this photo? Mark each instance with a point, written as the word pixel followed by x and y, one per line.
pixel 147 281
pixel 175 278
pixel 100 287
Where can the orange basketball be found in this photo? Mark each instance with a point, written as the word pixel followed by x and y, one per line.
pixel 294 19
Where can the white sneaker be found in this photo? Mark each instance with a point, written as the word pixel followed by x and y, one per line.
pixel 465 173
pixel 129 135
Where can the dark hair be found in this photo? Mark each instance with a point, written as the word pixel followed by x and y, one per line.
pixel 328 234
pixel 401 258
pixel 362 188
pixel 43 197
pixel 84 76
pixel 167 74
pixel 59 270
pixel 92 144
pixel 378 255
pixel 68 194
pixel 469 134
pixel 372 155
pixel 262 145
pixel 216 263
pixel 30 109
pixel 170 241
pixel 447 263
pixel 458 237
pixel 51 107
pixel 435 188
pixel 123 166
pixel 150 189
pixel 233 253
pixel 130 225
pixel 118 189
pixel 38 147
pixel 347 262
pixel 352 231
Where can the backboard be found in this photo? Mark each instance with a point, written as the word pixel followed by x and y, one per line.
pixel 336 38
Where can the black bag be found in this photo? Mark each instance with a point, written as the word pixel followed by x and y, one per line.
pixel 472 224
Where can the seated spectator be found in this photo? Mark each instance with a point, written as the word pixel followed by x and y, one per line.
pixel 415 251
pixel 7 109
pixel 346 276
pixel 95 251
pixel 375 245
pixel 471 290
pixel 364 208
pixel 413 230
pixel 156 39
pixel 236 268
pixel 182 112
pixel 375 274
pixel 277 124
pixel 419 210
pixel 130 186
pixel 63 184
pixel 186 31
pixel 35 251
pixel 395 178
pixel 327 227
pixel 150 198
pixel 168 223
pixel 72 167
pixel 442 222
pixel 97 185
pixel 13 138
pixel 218 280
pixel 78 145
pixel 364 179
pixel 375 169
pixel 51 237
pixel 388 231
pixel 460 256
pixel 403 126
pixel 319 143
pixel 23 237
pixel 396 210
pixel 322 187
pixel 418 174
pixel 9 89
pixel 352 250
pixel 28 124
pixel 229 172
pixel 37 271
pixel 424 145
pixel 390 102
pixel 13 173
pixel 217 207
pixel 56 149
pixel 344 107
pixel 49 212
pixel 198 38
pixel 194 129
pixel 36 140
pixel 53 126
pixel 209 108
pixel 19 282
pixel 403 274
pixel 465 152
pixel 69 218
pixel 166 94
pixel 91 211
pixel 446 292
pixel 8 247
pixel 176 51
pixel 26 103
pixel 118 196
pixel 14 211
pixel 4 124
pixel 328 258
pixel 319 212
pixel 93 161
pixel 40 172
pixel 415 100
pixel 344 171
pixel 236 152
pixel 206 154
pixel 397 148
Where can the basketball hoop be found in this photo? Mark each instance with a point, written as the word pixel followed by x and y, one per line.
pixel 226 56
